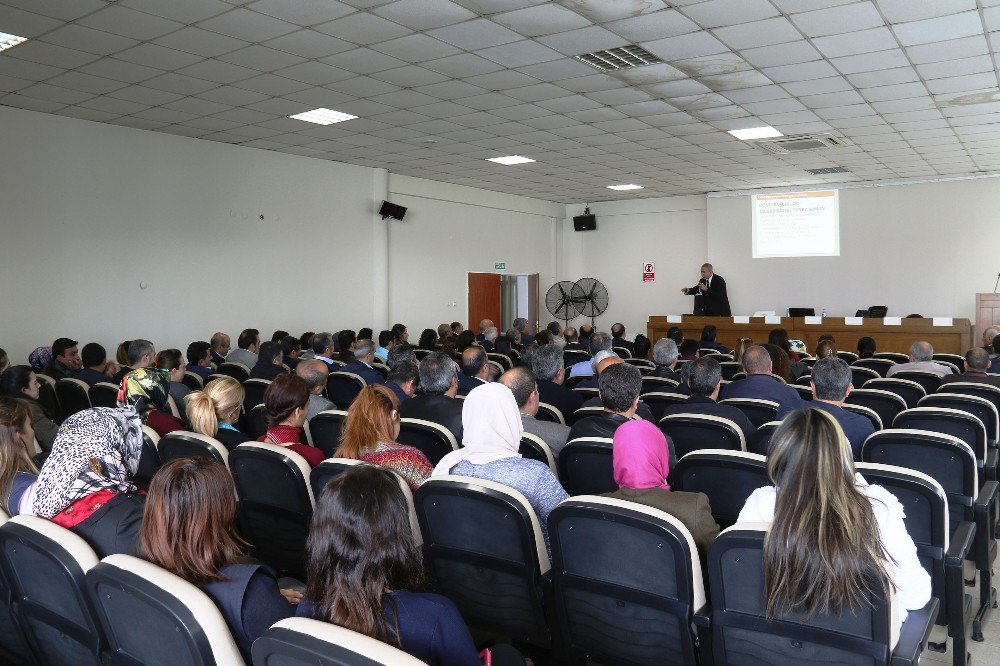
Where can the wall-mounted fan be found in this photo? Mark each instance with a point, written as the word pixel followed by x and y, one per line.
pixel 591 297
pixel 560 303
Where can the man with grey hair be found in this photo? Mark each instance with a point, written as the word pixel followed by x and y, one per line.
pixel 437 403
pixel 831 384
pixel 705 379
pixel 404 378
pixel 364 356
pixel 759 384
pixel 598 342
pixel 977 367
pixel 547 364
pixel 220 347
pixel 322 348
pixel 141 354
pixel 921 358
pixel 314 373
pixel 490 338
pixel 665 357
pixel 483 325
pixel 988 336
pixel 401 354
pixel 521 382
pixel 521 326
pixel 555 329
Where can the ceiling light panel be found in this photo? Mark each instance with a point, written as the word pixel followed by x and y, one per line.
pixel 10 41
pixel 752 133
pixel 622 57
pixel 323 116
pixel 510 159
pixel 624 188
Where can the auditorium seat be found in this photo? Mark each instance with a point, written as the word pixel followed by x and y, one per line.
pixel 420 354
pixel 626 582
pixel 325 428
pixel 14 647
pixel 502 359
pixel 758 411
pixel 173 408
pixel 215 375
pixel 193 380
pixel 860 376
pixel 658 385
pixel 185 444
pixel 497 367
pixel 729 369
pixel 432 439
pixel 895 357
pixel 547 412
pixel 485 551
pixel 742 634
pixel 343 387
pixel 237 371
pixel 911 392
pixel 975 405
pixel 103 394
pixel 583 413
pixel 848 357
pixel 254 424
pixel 573 356
pixel 72 397
pixel 658 402
pixel 47 394
pixel 955 361
pixel 761 439
pixel 645 367
pixel 45 566
pixel 957 423
pixel 805 392
pixel 276 503
pixel 151 616
pixel 879 365
pixel 692 432
pixel 299 641
pixel 254 390
pixel 534 447
pixel 726 477
pixel 587 393
pixel 149 458
pixel 622 352
pixel 803 380
pixel 586 466
pixel 866 412
pixel 886 404
pixel 928 380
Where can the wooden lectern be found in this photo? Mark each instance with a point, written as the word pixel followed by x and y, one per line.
pixel 987 313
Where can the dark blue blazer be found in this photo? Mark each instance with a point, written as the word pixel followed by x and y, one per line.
pixel 762 387
pixel 712 344
pixel 92 376
pixel 856 427
pixel 366 372
pixel 466 383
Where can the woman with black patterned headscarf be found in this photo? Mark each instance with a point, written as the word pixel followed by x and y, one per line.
pixel 147 390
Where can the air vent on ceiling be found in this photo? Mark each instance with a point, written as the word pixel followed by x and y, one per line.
pixel 794 144
pixel 826 170
pixel 622 57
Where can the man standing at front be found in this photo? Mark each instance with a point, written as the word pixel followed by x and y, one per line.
pixel 710 296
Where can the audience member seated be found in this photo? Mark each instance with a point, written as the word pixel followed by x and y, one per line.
pixel 781 364
pixel 642 410
pixel 547 364
pixel 280 335
pixel 305 344
pixel 402 353
pixel 866 347
pixel 759 384
pixel 521 382
pixel 572 337
pixel 825 349
pixel 676 334
pixel 618 338
pixel 18 472
pixel 215 410
pixel 921 358
pixel 366 573
pixel 436 401
pixel 370 432
pixel 741 346
pixel 599 342
pixel 315 373
pixel 291 350
pixel 465 340
pixel 364 356
pixel 665 357
pixel 831 384
pixel 121 354
pixel 188 529
pixel 385 343
pixel 641 461
pixel 85 484
pixel 269 362
pixel 514 336
pixel 220 348
pixel 199 359
pixel 65 361
pixel 475 370
pixel 988 335
pixel 598 363
pixel 524 331
pixel 20 381
pixel 141 354
pixel 689 350
pixel 483 325
pixel 171 363
pixel 429 339
pixel 404 379
pixel 490 339
pixel 708 335
pixel 321 345
pixel 400 334
pixel 704 380
pixel 345 347
pixel 779 337
pixel 365 334
pixel 503 345
pixel 555 329
pixel 96 367
pixel 833 538
pixel 586 332
pixel 642 347
pixel 40 358
pixel 285 409
pixel 146 389
pixel 443 330
pixel 493 432
pixel 619 385
pixel 977 365
pixel 248 344
pixel 995 358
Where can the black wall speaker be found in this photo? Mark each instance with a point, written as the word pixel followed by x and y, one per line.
pixel 392 210
pixel 585 222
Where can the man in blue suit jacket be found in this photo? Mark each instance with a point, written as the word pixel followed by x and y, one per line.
pixel 364 354
pixel 759 384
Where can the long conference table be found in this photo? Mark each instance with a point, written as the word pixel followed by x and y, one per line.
pixel 953 338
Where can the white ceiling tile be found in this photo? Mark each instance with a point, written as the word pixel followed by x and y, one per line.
pixel 85 114
pixel 718 13
pixel 991 17
pixel 12 84
pixel 248 25
pixel 883 77
pixel 475 34
pixel 666 23
pixel 774 106
pixel 261 58
pixel 583 40
pixel 51 93
pixel 67 10
pixel 871 61
pixel 120 70
pixel 310 44
pixel 939 29
pixel 692 45
pixel 900 11
pixel 424 14
pixel 269 84
pixel 201 42
pixel 818 86
pixel 839 20
pixel 759 33
pixel 219 72
pixel 199 107
pixel 23 69
pixel 363 61
pixel 800 72
pixel 302 12
pixel 180 84
pixel 444 110
pixel 958 84
pixel 592 83
pixel 319 98
pixel 416 48
pixel 85 39
pixel 232 96
pixel 183 11
pixel 519 54
pixel 86 83
pixel 783 54
pixel 826 100
pixel 854 111
pixel 362 86
pixel 545 19
pixel 30 103
pixel 129 23
pixel 966 47
pixel 570 103
pixel 503 80
pixel 619 96
pixel 25 24
pixel 758 94
pixel 409 76
pixel 965 66
pixel 50 54
pixel 160 57
pixel 462 65
pixel 861 41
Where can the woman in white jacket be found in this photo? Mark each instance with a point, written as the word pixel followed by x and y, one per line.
pixel 832 537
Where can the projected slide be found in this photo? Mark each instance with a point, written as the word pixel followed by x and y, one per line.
pixel 796 224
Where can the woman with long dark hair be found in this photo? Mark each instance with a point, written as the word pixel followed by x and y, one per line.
pixel 18 472
pixel 286 403
pixel 20 381
pixel 428 340
pixel 833 538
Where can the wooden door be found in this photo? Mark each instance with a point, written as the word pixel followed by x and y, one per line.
pixel 533 301
pixel 484 299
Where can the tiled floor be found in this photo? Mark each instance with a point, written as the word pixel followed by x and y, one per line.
pixel 986 653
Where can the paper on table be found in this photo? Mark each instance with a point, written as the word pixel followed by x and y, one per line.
pixel 813 320
pixel 854 321
pixel 772 320
pixel 673 319
pixel 892 321
pixel 741 319
pixel 943 321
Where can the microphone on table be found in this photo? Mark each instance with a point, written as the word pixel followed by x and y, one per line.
pixel 997 283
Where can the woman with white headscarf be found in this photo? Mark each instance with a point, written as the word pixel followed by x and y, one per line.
pixel 492 430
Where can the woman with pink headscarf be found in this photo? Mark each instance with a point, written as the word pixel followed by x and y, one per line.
pixel 641 465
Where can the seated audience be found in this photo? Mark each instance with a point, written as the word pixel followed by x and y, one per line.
pixel 364 356
pixel 270 362
pixel 832 537
pixel 429 339
pixel 586 331
pixel 475 370
pixel 825 349
pixel 86 484
pixel 385 343
pixel 547 364
pixel 436 402
pixel 490 451
pixel 96 367
pixel 521 382
pixel 220 348
pixel 305 344
pixel 214 411
pixel 708 335
pixel 121 354
pixel 4 361
pixel 188 529
pixel 147 390
pixel 665 357
pixel 555 329
pixel 598 364
pixel 988 335
pixel 642 347
pixel 704 380
pixel 831 384
pixel 490 339
pixel 464 340
pixel 572 337
pixel 483 325
pixel 40 358
pixel 285 410
pixel 365 334
pixel 641 411
pixel 141 354
pixel 279 335
pixel 400 334
pixel 866 347
pixel 65 361
pixel 370 432
pixel 502 345
pixel 779 337
pixel 199 359
pixel 321 345
pixel 248 344
pixel 514 336
pixel 315 373
pixel 676 334
pixel 443 330
pixel 641 460
pixel 523 330
pixel 18 472
pixel 977 366
pixel 781 365
pixel 599 342
pixel 402 353
pixel 741 346
pixel 689 350
pixel 759 384
pixel 921 358
pixel 291 350
pixel 345 347
pixel 618 338
pixel 19 381
pixel 619 385
pixel 404 379
pixel 995 358
pixel 171 363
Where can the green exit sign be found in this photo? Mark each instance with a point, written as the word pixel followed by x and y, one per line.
pixel 500 266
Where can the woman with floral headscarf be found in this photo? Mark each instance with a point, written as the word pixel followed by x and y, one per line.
pixel 146 390
pixel 85 484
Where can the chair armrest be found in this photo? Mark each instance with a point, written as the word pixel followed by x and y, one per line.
pixel 703 617
pixel 987 494
pixel 961 544
pixel 990 464
pixel 914 633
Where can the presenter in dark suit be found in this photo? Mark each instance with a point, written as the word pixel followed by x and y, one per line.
pixel 710 297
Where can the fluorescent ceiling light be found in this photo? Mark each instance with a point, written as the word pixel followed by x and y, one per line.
pixel 10 41
pixel 752 133
pixel 507 160
pixel 323 116
pixel 623 188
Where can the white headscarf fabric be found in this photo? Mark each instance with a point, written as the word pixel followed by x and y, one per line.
pixel 491 428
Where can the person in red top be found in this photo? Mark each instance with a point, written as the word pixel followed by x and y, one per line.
pixel 147 390
pixel 285 409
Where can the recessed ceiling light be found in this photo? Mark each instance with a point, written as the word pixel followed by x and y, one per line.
pixel 510 159
pixel 323 116
pixel 752 133
pixel 623 188
pixel 10 41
